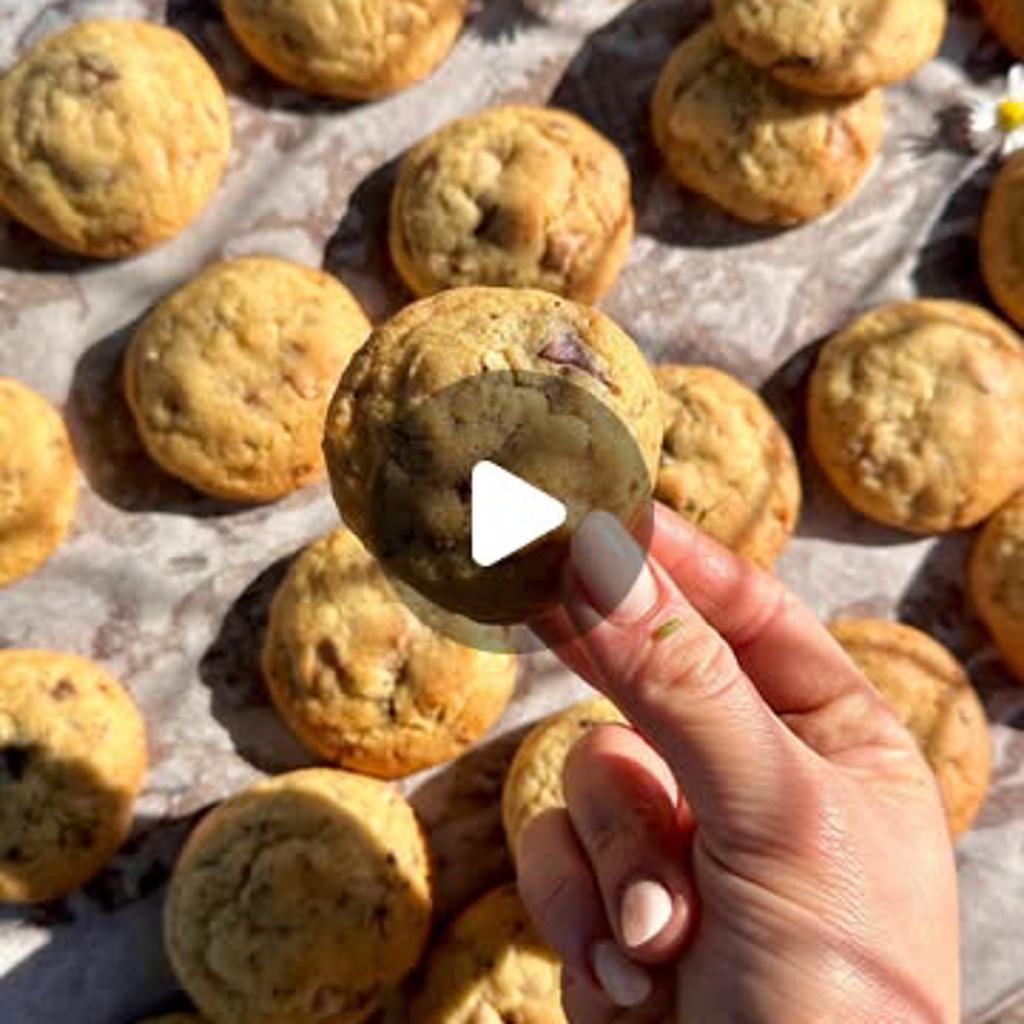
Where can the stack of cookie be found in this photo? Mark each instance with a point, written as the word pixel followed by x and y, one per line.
pixel 773 109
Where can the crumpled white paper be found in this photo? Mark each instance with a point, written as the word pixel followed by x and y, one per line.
pixel 169 590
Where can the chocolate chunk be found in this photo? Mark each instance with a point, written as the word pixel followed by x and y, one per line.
pixel 64 689
pixel 565 347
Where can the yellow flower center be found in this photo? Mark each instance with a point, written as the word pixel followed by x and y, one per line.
pixel 1010 115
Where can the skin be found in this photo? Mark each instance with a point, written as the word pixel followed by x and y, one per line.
pixel 789 816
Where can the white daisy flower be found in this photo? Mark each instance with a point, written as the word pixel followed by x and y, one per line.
pixel 1000 122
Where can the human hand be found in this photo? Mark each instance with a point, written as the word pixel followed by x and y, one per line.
pixel 766 844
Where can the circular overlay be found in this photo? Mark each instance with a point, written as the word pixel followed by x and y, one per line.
pixel 550 435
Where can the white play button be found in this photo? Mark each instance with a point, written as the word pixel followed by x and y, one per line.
pixel 507 513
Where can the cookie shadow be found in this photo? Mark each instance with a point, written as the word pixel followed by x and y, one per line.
pixel 107 444
pixel 460 808
pixel 609 83
pixel 824 514
pixel 25 252
pixel 357 252
pixel 232 671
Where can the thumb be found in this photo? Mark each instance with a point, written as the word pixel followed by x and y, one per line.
pixel 680 684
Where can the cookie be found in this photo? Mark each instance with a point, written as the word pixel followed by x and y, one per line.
pixel 72 760
pixel 1006 19
pixel 494 374
pixel 930 693
pixel 229 378
pixel 1002 234
pixel 348 48
pixel 997 581
pixel 917 414
pixel 302 899
pixel 38 481
pixel 467 209
pixel 534 780
pixel 114 134
pixel 834 47
pixel 758 148
pixel 726 464
pixel 361 680
pixel 491 966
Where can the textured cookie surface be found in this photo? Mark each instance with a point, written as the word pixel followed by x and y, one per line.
pixel 483 357
pixel 72 759
pixel 229 378
pixel 534 780
pixel 1006 17
pixel 491 966
pixel 300 900
pixel 726 464
pixel 517 196
pixel 361 679
pixel 917 414
pixel 997 581
pixel 113 135
pixel 762 150
pixel 38 480
pixel 834 47
pixel 930 693
pixel 1002 238
pixel 353 49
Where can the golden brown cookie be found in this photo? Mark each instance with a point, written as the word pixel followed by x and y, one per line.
pixel 506 375
pixel 534 780
pixel 997 581
pixel 930 693
pixel 361 680
pixel 302 899
pixel 229 378
pixel 491 966
pixel 1006 18
pixel 834 47
pixel 38 481
pixel 114 134
pixel 1002 239
pixel 762 150
pixel 917 414
pixel 525 197
pixel 726 464
pixel 347 48
pixel 72 760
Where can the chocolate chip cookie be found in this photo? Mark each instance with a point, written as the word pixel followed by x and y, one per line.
pixel 526 197
pixel 931 695
pixel 917 414
pixel 1006 18
pixel 757 147
pixel 114 134
pixel 726 464
pixel 72 760
pixel 304 898
pixel 229 378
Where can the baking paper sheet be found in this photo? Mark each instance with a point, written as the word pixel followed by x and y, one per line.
pixel 169 590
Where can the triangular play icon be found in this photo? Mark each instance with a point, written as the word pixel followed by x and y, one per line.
pixel 507 514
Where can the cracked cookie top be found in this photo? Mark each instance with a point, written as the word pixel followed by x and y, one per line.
pixel 113 135
pixel 229 378
pixel 917 414
pixel 361 679
pixel 834 47
pixel 302 899
pixel 352 49
pixel 72 760
pixel 518 196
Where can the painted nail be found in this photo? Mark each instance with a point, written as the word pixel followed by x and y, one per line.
pixel 646 909
pixel 625 983
pixel 613 569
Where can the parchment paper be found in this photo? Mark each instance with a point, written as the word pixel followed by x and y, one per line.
pixel 169 590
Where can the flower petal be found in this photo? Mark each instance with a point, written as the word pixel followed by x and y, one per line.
pixel 1015 81
pixel 982 116
pixel 1013 142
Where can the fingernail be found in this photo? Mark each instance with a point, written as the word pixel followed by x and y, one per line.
pixel 612 568
pixel 646 909
pixel 626 983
